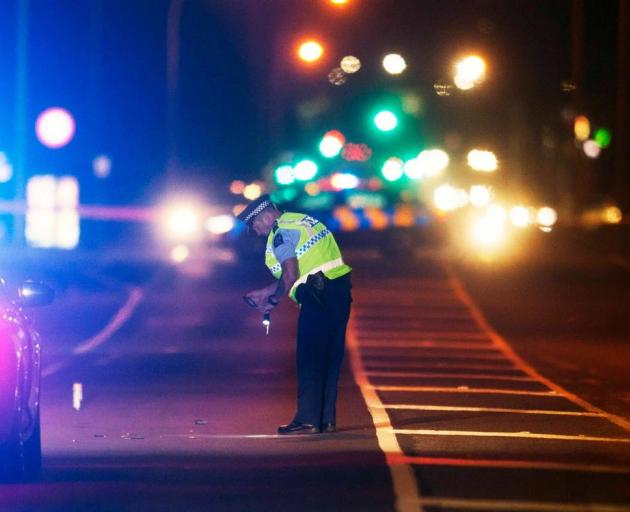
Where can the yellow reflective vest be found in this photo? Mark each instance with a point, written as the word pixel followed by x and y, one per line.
pixel 316 250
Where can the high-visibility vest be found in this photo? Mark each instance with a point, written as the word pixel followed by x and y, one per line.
pixel 316 250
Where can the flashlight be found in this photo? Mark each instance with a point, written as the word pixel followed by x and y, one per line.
pixel 267 322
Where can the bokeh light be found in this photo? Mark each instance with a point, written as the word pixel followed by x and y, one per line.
pixel 469 71
pixel 386 120
pixel 392 169
pixel 520 216
pixel 310 51
pixel 182 221
pixel 331 144
pixel 483 161
pixel 337 76
pixel 219 224
pixel 252 191
pixel 447 198
pixel 394 64
pixel 581 128
pixel 350 64
pixel 102 166
pixel 546 216
pixel 603 137
pixel 479 196
pixel 180 253
pixel 433 162
pixel 612 215
pixel 6 169
pixel 344 181
pixel 55 127
pixel 413 169
pixel 284 175
pixel 237 187
pixel 305 170
pixel 591 149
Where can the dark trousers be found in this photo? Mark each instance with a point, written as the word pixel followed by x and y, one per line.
pixel 320 348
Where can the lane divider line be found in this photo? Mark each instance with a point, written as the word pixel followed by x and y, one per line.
pixel 515 464
pixel 457 408
pixel 403 477
pixel 115 323
pixel 444 365
pixel 465 389
pixel 517 505
pixel 523 435
pixel 518 361
pixel 455 376
pixel 447 345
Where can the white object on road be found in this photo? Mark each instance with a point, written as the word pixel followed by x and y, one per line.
pixel 77 395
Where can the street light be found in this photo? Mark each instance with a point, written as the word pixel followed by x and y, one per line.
pixel 394 64
pixel 386 120
pixel 310 51
pixel 469 72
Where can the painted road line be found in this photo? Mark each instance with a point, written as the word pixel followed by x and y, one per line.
pixel 514 464
pixel 403 476
pixel 457 408
pixel 523 435
pixel 455 335
pixel 116 322
pixel 466 389
pixel 444 365
pixel 516 506
pixel 527 368
pixel 387 354
pixel 429 344
pixel 422 375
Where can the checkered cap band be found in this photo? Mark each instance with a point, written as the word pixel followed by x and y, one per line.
pixel 257 210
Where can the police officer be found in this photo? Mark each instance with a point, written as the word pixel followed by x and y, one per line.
pixel 304 257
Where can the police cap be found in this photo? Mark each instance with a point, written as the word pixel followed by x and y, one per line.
pixel 250 212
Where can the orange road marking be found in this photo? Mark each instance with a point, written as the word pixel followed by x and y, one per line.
pixel 466 389
pixel 509 352
pixel 513 464
pixel 517 506
pixel 422 375
pixel 490 409
pixel 448 345
pixel 524 435
pixel 403 476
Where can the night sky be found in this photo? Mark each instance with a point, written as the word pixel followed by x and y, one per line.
pixel 239 86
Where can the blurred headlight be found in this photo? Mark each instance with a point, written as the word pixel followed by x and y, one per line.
pixel 183 222
pixel 220 224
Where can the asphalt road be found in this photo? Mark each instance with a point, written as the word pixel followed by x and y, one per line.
pixel 182 392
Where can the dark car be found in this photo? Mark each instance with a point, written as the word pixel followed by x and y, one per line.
pixel 20 445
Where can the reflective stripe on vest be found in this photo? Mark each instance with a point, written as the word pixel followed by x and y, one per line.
pixel 326 259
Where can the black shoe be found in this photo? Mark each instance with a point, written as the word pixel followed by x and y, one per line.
pixel 296 428
pixel 329 428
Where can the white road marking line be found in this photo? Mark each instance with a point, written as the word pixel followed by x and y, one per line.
pixel 422 375
pixel 429 344
pixel 456 408
pixel 524 435
pixel 509 352
pixel 369 332
pixel 466 389
pixel 442 365
pixel 233 436
pixel 387 354
pixel 516 505
pixel 515 464
pixel 403 476
pixel 115 323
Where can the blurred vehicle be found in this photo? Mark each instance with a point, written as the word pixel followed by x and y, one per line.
pixel 20 370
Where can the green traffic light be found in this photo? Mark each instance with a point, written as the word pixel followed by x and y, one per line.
pixel 603 137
